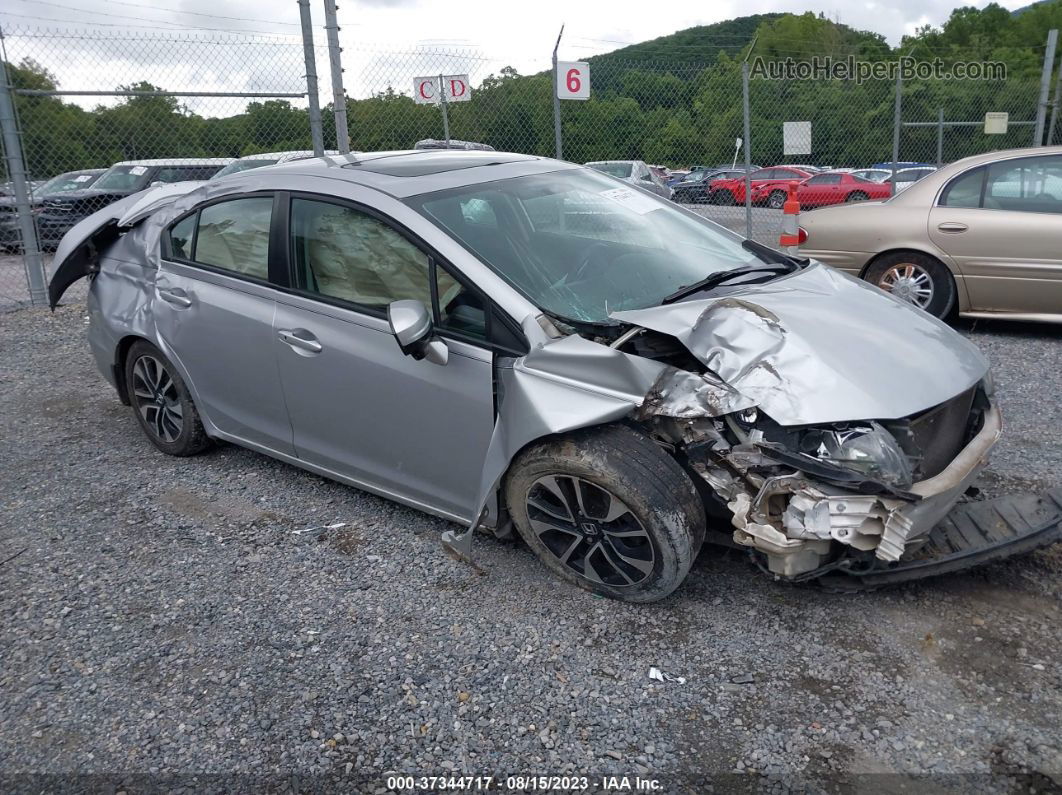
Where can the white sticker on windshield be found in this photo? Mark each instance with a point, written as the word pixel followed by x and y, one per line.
pixel 82 178
pixel 138 170
pixel 633 200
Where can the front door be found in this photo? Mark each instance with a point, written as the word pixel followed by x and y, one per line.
pixel 405 428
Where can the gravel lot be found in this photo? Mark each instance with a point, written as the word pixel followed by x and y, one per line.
pixel 167 617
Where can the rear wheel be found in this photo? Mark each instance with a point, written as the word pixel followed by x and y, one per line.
pixel 723 197
pixel 608 510
pixel 162 403
pixel 856 196
pixel 917 279
pixel 776 200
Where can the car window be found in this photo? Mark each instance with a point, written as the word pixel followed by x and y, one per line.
pixel 858 178
pixel 620 170
pixel 764 173
pixel 460 309
pixel 234 235
pixel 825 179
pixel 1029 184
pixel 785 173
pixel 343 253
pixel 122 178
pixel 964 190
pixel 181 237
pixel 180 173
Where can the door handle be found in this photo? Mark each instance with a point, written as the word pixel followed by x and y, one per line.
pixel 175 296
pixel 952 226
pixel 300 339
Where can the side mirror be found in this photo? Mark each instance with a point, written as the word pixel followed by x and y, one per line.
pixel 411 324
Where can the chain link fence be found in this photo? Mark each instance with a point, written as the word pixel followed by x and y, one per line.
pixel 180 98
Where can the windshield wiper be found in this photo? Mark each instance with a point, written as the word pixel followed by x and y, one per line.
pixel 775 263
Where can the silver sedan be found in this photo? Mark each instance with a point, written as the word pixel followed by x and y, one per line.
pixel 520 344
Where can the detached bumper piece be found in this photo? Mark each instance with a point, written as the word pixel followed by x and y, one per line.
pixel 972 534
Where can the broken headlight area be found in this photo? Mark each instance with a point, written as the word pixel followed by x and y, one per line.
pixel 807 499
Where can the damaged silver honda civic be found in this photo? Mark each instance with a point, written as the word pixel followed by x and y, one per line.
pixel 517 343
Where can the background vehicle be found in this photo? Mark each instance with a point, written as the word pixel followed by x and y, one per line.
pixel 694 188
pixel 979 237
pixel 10 233
pixel 769 187
pixel 838 187
pixel 873 174
pixel 636 172
pixel 266 159
pixel 453 143
pixel 533 372
pixel 907 177
pixel 60 213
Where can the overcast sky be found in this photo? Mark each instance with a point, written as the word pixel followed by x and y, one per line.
pixel 506 32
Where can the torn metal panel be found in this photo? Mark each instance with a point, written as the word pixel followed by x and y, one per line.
pixel 798 347
pixel 563 385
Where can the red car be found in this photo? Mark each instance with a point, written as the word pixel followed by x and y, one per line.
pixel 769 187
pixel 836 187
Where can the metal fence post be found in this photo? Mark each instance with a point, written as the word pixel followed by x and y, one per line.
pixel 940 136
pixel 16 171
pixel 748 147
pixel 316 134
pixel 339 96
pixel 1054 108
pixel 897 112
pixel 1045 87
pixel 557 141
pixel 445 112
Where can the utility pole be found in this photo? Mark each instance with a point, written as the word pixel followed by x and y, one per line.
pixel 339 96
pixel 309 56
pixel 1045 86
pixel 557 141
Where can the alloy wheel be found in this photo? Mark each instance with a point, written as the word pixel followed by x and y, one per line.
pixel 908 282
pixel 156 398
pixel 590 530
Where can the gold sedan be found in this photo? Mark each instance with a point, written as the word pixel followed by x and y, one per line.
pixel 981 237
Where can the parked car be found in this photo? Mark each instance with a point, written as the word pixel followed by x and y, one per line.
pixel 453 143
pixel 636 172
pixel 873 174
pixel 10 231
pixel 907 177
pixel 676 176
pixel 266 159
pixel 769 186
pixel 902 164
pixel 434 328
pixel 979 236
pixel 838 187
pixel 694 189
pixel 61 213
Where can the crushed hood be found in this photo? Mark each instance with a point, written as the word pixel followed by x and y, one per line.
pixel 820 346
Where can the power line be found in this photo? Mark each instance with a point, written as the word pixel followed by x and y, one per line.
pixel 195 13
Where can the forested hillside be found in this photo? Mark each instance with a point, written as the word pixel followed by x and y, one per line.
pixel 673 100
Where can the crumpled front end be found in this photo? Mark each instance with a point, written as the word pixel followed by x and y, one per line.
pixel 806 515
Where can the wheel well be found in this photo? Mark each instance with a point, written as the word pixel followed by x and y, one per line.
pixel 119 366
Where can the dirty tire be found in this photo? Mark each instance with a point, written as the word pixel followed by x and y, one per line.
pixel 615 468
pixel 776 200
pixel 944 291
pixel 180 438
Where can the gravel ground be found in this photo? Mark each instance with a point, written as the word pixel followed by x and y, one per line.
pixel 164 618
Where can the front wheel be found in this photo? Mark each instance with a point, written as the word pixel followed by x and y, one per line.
pixel 723 197
pixel 776 200
pixel 608 510
pixel 917 279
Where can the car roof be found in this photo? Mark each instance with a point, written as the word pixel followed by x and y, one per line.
pixel 178 161
pixel 607 162
pixel 411 172
pixel 283 157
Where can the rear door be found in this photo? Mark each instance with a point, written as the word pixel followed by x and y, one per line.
pixel 1002 225
pixel 214 306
